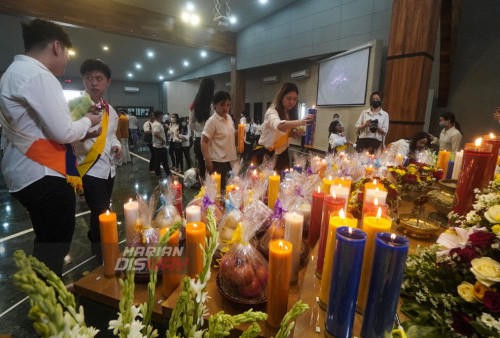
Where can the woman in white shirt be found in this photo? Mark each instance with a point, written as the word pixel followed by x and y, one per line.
pixel 372 126
pixel 451 135
pixel 336 138
pixel 280 122
pixel 218 140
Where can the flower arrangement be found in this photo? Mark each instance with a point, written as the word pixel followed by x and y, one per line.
pixel 358 192
pixel 55 313
pixel 416 177
pixel 452 288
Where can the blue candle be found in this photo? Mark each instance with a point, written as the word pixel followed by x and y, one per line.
pixel 297 168
pixel 346 271
pixel 385 285
pixel 449 172
pixel 309 139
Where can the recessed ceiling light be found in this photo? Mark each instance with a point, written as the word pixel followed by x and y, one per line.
pixel 195 19
pixel 138 66
pixel 150 54
pixel 130 74
pixel 203 54
pixel 233 19
pixel 185 16
pixel 71 52
pixel 190 6
pixel 170 71
pixel 160 77
pixel 263 1
pixel 105 48
pixel 185 63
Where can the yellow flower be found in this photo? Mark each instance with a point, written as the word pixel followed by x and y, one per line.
pixel 392 186
pixel 400 172
pixel 486 270
pixel 493 214
pixel 466 291
pixel 479 290
pixel 496 229
pixel 427 168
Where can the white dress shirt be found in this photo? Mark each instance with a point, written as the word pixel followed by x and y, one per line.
pixel 32 100
pixel 157 127
pixel 220 133
pixel 383 123
pixel 105 166
pixel 270 132
pixel 449 140
pixel 132 122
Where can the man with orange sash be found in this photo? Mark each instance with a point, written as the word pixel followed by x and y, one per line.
pixel 96 156
pixel 39 163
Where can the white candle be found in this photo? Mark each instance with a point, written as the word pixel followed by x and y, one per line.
pixel 371 194
pixel 293 233
pixel 305 210
pixel 131 212
pixel 193 214
pixel 341 192
pixel 457 167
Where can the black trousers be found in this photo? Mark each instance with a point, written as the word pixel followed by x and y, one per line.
pixel 223 168
pixel 161 158
pixel 371 145
pixel 171 151
pixel 51 205
pixel 152 160
pixel 178 156
pixel 200 160
pixel 187 156
pixel 97 193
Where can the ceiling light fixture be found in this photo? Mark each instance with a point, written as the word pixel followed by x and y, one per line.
pixel 203 54
pixel 185 63
pixel 105 48
pixel 185 16
pixel 171 71
pixel 233 19
pixel 195 20
pixel 130 74
pixel 189 6
pixel 160 77
pixel 71 52
pixel 138 66
pixel 150 54
pixel 263 1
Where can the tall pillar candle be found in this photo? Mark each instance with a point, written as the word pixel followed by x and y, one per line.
pixel 372 194
pixel 216 177
pixel 492 163
pixel 315 221
pixel 193 214
pixel 346 182
pixel 171 275
pixel 457 167
pixel 449 170
pixel 278 280
pixel 385 285
pixel 273 190
pixel 309 138
pixel 336 221
pixel 109 242
pixel 305 210
pixel 372 225
pixel 131 212
pixel 374 184
pixel 442 163
pixel 327 184
pixel 340 191
pixel 350 245
pixel 293 234
pixel 476 158
pixel 330 204
pixel 195 236
pixel 177 187
pixel 241 138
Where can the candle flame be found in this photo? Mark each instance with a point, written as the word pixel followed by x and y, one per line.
pixel 330 178
pixel 379 212
pixel 375 201
pixel 176 182
pixel 393 237
pixel 478 142
pixel 130 201
pixel 107 212
pixel 280 244
pixel 492 135
pixel 350 230
pixel 374 181
pixel 342 214
pixel 314 106
pixel 195 225
pixel 333 194
pixel 255 171
pixel 319 188
pixel 376 189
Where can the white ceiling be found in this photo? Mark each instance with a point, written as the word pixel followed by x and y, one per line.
pixel 125 51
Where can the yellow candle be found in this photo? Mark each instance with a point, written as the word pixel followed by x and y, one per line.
pixel 444 157
pixel 327 183
pixel 345 182
pixel 280 259
pixel 216 177
pixel 171 274
pixel 195 236
pixel 109 242
pixel 498 160
pixel 372 225
pixel 273 190
pixel 335 222
pixel 369 170
pixel 241 138
pixel 375 184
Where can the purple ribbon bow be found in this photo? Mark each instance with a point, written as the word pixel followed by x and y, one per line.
pixel 207 202
pixel 309 171
pixel 278 210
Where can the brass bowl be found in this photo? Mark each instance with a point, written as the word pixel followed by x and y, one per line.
pixel 418 228
pixel 443 199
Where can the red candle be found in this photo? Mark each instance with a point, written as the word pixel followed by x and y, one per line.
pixel 330 204
pixel 315 221
pixel 177 187
pixel 476 158
pixel 492 163
pixel 372 208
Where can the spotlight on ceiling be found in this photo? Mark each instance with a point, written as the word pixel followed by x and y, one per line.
pixel 138 66
pixel 150 54
pixel 171 71
pixel 185 63
pixel 130 75
pixel 203 54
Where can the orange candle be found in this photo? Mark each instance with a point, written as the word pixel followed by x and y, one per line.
pixel 216 177
pixel 345 182
pixel 280 260
pixel 372 225
pixel 109 242
pixel 229 188
pixel 171 273
pixel 273 190
pixel 443 158
pixel 241 138
pixel 369 171
pixel 195 236
pixel 374 185
pixel 336 221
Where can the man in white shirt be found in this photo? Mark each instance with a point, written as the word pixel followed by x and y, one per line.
pixel 159 146
pixel 133 126
pixel 96 156
pixel 36 120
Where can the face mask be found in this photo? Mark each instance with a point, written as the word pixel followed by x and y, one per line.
pixel 375 104
pixel 442 124
pixel 183 124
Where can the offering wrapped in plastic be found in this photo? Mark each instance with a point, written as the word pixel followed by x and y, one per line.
pixel 243 270
pixel 233 215
pixel 167 213
pixel 206 198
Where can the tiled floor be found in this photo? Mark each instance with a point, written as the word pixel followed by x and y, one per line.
pixel 16 233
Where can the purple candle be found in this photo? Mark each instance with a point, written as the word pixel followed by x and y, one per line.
pixel 309 139
pixel 346 271
pixel 385 285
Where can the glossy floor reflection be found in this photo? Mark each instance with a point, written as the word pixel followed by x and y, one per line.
pixel 16 233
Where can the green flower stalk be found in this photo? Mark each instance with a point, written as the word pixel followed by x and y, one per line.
pixel 286 327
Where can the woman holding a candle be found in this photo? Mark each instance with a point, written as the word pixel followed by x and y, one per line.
pixel 218 138
pixel 280 122
pixel 451 135
pixel 372 126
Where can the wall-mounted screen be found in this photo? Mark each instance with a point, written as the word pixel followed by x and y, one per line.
pixel 342 78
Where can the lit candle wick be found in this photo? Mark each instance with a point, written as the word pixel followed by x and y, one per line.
pixel 107 212
pixel 379 213
pixel 130 201
pixel 319 189
pixel 375 201
pixel 280 244
pixel 342 215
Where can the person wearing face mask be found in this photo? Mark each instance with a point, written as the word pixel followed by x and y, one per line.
pixel 372 126
pixel 175 142
pixel 185 135
pixel 451 135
